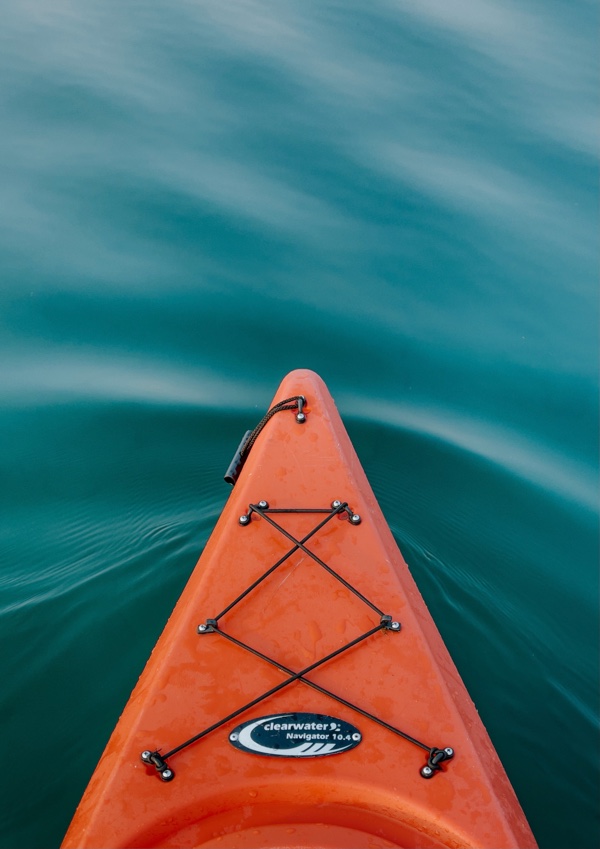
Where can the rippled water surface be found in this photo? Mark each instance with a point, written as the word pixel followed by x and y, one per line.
pixel 197 197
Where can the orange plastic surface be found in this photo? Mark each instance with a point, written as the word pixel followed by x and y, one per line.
pixel 370 796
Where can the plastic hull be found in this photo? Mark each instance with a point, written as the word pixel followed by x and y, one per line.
pixel 372 794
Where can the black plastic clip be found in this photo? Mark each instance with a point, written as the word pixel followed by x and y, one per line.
pixel 436 758
pixel 389 624
pixel 208 627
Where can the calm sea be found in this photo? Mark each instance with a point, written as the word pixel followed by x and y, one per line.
pixel 197 197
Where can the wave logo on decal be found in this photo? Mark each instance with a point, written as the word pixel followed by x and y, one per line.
pixel 295 735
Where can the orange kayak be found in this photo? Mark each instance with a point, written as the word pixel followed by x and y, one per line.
pixel 300 694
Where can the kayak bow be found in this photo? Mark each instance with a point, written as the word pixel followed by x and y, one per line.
pixel 300 694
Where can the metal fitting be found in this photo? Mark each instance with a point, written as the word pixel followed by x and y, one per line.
pixel 300 415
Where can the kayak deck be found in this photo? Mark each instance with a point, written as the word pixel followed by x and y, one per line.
pixel 300 613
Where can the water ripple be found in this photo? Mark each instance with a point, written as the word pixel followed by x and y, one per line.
pixel 513 452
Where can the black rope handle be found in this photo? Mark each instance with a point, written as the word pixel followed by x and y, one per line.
pixel 296 402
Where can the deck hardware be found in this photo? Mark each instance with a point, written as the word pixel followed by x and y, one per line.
pixel 300 415
pixel 390 624
pixel 436 758
pixel 154 759
pixel 386 623
pixel 354 518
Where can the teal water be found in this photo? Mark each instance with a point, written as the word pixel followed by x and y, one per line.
pixel 199 197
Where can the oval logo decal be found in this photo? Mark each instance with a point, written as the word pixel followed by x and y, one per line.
pixel 295 735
